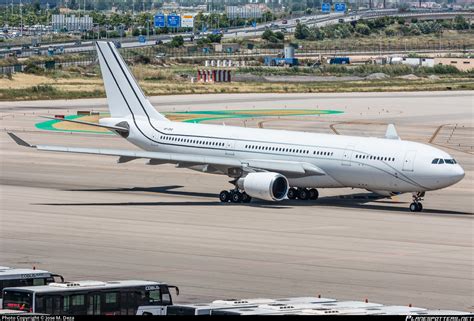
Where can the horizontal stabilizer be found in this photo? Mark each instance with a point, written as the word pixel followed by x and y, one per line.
pixel 391 132
pixel 19 141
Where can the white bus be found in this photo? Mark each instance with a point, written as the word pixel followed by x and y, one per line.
pixel 127 297
pixel 211 308
pixel 12 277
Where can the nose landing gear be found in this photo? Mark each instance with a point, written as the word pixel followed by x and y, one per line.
pixel 416 206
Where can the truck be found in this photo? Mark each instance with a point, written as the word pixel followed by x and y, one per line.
pixel 277 61
pixel 339 61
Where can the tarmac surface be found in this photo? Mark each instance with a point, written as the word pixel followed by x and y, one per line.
pixel 87 217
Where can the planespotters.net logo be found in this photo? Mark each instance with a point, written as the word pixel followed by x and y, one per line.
pixel 439 318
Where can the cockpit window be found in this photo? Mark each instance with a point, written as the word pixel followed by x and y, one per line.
pixel 443 161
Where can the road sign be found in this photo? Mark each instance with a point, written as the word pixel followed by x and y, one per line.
pixel 340 7
pixel 325 7
pixel 174 21
pixel 160 21
pixel 204 29
pixel 187 20
pixel 141 39
pixel 254 24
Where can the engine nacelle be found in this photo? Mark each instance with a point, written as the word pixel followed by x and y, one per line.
pixel 265 185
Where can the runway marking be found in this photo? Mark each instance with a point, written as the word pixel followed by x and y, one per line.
pixel 454 137
pixel 185 116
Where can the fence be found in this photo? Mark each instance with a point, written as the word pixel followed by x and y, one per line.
pixel 326 48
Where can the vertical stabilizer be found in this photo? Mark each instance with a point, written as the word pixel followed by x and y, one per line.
pixel 124 96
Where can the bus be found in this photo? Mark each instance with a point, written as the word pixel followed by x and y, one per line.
pixel 12 277
pixel 127 297
pixel 211 308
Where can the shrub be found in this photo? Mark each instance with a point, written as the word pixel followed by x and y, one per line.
pixel 362 29
pixel 391 31
pixel 32 68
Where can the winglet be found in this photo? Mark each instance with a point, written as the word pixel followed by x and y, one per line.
pixel 19 141
pixel 391 132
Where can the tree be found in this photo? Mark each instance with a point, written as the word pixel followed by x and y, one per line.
pixel 280 35
pixel 267 34
pixel 301 31
pixel 177 41
pixel 135 32
pixel 215 38
pixel 460 23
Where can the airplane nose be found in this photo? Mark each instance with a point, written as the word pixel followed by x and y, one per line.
pixel 457 174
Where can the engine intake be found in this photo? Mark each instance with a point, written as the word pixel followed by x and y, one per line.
pixel 266 185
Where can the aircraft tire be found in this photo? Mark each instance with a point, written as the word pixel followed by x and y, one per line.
pixel 236 197
pixel 313 194
pixel 224 196
pixel 291 193
pixel 303 194
pixel 246 198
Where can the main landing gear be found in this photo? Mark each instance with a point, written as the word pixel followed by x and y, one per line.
pixel 416 206
pixel 302 194
pixel 234 196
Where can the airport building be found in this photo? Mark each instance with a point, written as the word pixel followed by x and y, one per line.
pixel 248 11
pixel 71 23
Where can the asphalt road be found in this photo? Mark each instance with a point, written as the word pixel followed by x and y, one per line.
pixel 87 217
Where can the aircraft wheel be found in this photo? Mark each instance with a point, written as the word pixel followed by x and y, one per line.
pixel 303 194
pixel 246 198
pixel 291 193
pixel 236 197
pixel 313 194
pixel 419 207
pixel 413 207
pixel 224 196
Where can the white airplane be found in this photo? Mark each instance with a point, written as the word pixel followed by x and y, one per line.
pixel 265 164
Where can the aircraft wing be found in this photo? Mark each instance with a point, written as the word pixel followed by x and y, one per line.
pixel 186 160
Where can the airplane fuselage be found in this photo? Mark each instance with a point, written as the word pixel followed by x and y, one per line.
pixel 376 164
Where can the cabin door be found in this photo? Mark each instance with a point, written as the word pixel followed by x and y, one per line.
pixel 347 155
pixel 409 161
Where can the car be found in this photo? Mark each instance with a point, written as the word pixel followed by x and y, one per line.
pixel 160 55
pixel 284 22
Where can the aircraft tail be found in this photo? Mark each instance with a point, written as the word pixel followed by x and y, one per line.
pixel 124 95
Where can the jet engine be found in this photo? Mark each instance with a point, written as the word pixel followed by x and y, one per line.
pixel 265 185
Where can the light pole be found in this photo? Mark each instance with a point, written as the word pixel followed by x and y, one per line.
pixel 21 18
